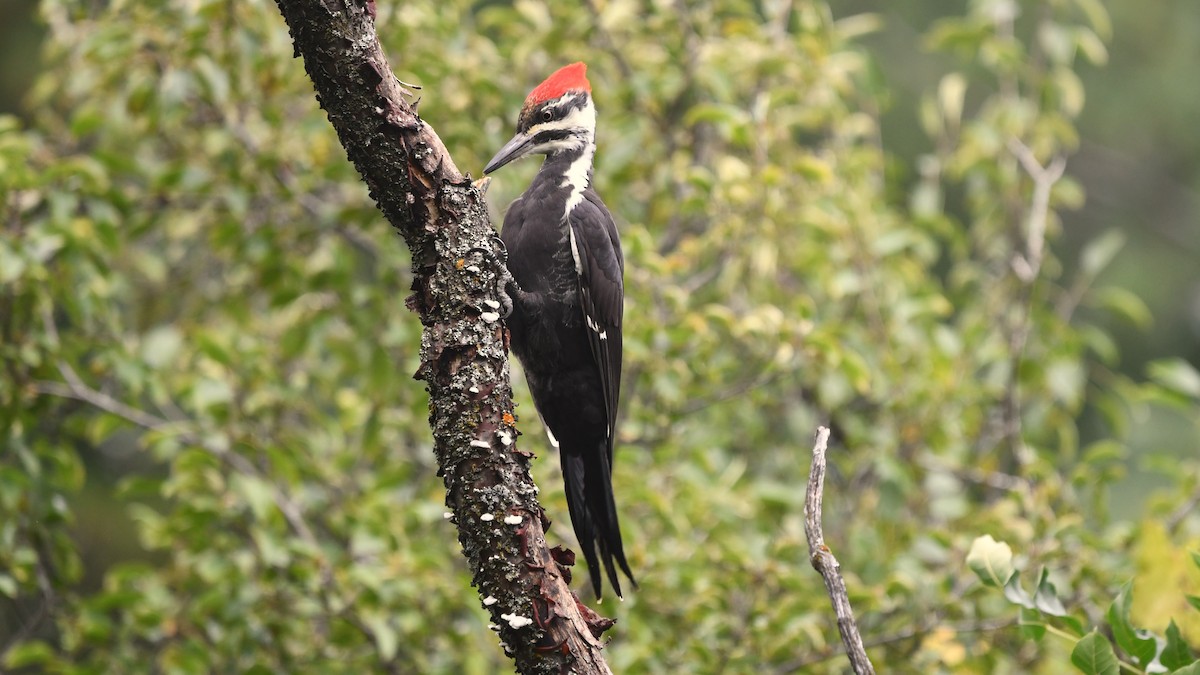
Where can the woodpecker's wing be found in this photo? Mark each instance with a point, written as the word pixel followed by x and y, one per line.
pixel 602 294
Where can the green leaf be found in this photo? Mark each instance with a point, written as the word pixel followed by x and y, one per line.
pixel 1100 251
pixel 1176 653
pixel 1196 558
pixel 1194 601
pixel 1016 594
pixel 1094 655
pixel 1190 669
pixel 1074 624
pixel 991 561
pixel 951 92
pixel 1177 375
pixel 1033 626
pixel 386 640
pixel 161 345
pixel 1126 304
pixel 1046 597
pixel 259 494
pixel 1091 46
pixel 28 653
pixel 1139 644
pixel 8 586
pixel 209 392
pixel 1097 16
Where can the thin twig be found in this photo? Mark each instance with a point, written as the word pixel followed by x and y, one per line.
pixel 994 479
pixel 44 570
pixel 823 561
pixel 27 628
pixel 1177 516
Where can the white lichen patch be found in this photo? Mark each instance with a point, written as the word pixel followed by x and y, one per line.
pixel 476 443
pixel 492 303
pixel 505 437
pixel 490 317
pixel 512 520
pixel 487 517
pixel 474 389
pixel 489 601
pixel 447 515
pixel 516 620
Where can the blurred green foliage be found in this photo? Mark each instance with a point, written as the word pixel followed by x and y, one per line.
pixel 191 275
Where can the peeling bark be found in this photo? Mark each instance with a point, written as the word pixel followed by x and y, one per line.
pixel 459 278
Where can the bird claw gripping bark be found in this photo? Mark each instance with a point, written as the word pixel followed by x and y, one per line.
pixel 506 286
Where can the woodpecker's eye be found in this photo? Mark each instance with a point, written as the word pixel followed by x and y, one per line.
pixel 547 115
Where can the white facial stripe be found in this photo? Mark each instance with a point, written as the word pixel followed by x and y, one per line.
pixel 582 118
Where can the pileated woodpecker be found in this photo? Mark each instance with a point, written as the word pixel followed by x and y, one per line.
pixel 565 256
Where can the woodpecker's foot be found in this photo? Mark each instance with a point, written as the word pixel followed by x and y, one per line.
pixel 498 260
pixel 511 296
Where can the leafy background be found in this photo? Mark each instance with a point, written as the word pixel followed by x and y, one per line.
pixel 213 456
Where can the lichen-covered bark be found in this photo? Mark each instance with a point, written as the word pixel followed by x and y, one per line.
pixel 459 277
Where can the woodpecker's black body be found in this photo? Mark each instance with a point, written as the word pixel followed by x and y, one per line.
pixel 565 255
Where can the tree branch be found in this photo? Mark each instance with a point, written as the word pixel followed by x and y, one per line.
pixel 1027 267
pixel 1179 514
pixel 823 561
pixel 459 278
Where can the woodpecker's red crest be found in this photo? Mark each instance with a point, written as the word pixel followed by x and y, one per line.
pixel 567 78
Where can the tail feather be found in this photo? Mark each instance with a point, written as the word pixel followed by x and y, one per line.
pixel 594 515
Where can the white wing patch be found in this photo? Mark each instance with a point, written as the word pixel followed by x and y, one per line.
pixel 574 247
pixel 596 327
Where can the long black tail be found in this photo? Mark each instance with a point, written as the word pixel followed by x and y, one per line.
pixel 588 480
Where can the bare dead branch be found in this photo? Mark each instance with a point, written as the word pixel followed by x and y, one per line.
pixel 823 561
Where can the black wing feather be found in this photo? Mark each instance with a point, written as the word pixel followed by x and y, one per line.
pixel 602 296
